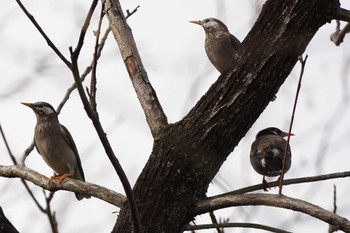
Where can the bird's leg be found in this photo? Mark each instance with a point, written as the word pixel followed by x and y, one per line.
pixel 60 177
pixel 266 186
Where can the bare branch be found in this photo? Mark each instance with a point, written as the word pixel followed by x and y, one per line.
pixel 342 14
pixel 301 180
pixel 338 36
pixel 48 41
pixel 86 72
pixel 93 83
pixel 155 115
pixel 303 62
pixel 275 200
pixel 236 225
pixel 332 228
pixel 51 215
pixel 68 184
pixel 215 221
pixel 128 13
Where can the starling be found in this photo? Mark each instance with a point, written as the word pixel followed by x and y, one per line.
pixel 56 145
pixel 220 45
pixel 267 152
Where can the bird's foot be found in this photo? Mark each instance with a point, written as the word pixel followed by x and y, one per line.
pixel 265 184
pixel 60 178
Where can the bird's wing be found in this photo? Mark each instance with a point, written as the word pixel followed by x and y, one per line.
pixel 263 149
pixel 68 137
pixel 267 146
pixel 37 149
pixel 280 144
pixel 234 41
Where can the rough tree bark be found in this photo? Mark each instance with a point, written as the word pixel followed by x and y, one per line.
pixel 187 155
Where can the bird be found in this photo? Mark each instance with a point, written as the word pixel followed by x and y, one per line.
pixel 267 153
pixel 220 45
pixel 56 145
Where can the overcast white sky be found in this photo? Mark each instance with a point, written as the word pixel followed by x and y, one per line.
pixel 172 50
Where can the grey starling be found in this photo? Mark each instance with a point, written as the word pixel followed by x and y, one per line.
pixel 267 152
pixel 220 45
pixel 55 144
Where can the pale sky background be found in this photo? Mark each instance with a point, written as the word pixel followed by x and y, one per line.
pixel 173 53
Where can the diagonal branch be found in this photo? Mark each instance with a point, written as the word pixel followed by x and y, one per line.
pixel 275 200
pixel 48 41
pixel 303 62
pixel 155 115
pixel 107 195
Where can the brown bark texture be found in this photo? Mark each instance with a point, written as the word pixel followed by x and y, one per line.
pixel 187 155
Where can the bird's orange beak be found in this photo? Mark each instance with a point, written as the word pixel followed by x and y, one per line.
pixel 27 104
pixel 285 134
pixel 196 22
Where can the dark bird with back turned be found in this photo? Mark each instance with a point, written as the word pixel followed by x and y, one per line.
pixel 55 144
pixel 267 153
pixel 220 45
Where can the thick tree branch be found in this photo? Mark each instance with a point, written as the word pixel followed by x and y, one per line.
pixel 155 116
pixel 5 225
pixel 68 184
pixel 188 155
pixel 338 36
pixel 275 200
pixel 342 14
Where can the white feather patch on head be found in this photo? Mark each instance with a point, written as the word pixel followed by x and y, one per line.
pixel 263 162
pixel 275 152
pixel 47 110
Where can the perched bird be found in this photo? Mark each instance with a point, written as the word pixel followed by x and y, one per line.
pixel 55 144
pixel 220 45
pixel 267 153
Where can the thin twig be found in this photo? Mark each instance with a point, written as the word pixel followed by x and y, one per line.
pixel 86 71
pixel 48 41
pixel 338 36
pixel 51 215
pixel 236 225
pixel 93 88
pixel 303 62
pixel 215 221
pixel 128 13
pixel 83 31
pixel 333 228
pixel 26 152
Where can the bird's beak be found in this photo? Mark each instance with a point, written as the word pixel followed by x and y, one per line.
pixel 27 104
pixel 285 134
pixel 196 22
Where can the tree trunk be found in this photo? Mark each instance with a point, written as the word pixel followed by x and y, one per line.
pixel 188 154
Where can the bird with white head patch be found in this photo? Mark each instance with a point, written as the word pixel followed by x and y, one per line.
pixel 267 153
pixel 220 45
pixel 56 145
